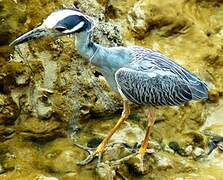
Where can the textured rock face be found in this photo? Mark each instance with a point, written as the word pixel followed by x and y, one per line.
pixel 46 88
pixel 50 81
pixel 188 27
pixel 166 17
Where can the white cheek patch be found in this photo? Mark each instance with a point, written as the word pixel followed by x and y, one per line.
pixel 92 22
pixel 57 16
pixel 75 28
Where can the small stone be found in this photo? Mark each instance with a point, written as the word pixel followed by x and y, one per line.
pixel 104 171
pixel 44 112
pixel 198 153
pixel 129 134
pixel 211 146
pixel 154 145
pixel 174 145
pixel 10 155
pixel 168 149
pixel 220 146
pixel 115 152
pixel 163 163
pixel 189 150
pixel 22 79
pixel 42 177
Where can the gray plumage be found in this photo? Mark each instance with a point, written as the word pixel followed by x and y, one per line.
pixel 151 78
pixel 143 76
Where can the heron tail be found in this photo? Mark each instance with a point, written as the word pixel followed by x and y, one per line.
pixel 200 91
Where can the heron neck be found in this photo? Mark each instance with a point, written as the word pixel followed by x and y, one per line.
pixel 84 45
pixel 107 60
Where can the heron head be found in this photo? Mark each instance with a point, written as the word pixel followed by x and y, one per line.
pixel 58 23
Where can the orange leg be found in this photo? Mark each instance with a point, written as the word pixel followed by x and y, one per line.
pixel 99 150
pixel 143 149
pixel 144 145
pixel 125 114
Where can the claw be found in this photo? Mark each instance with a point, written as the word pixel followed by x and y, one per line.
pixel 89 158
pixel 86 161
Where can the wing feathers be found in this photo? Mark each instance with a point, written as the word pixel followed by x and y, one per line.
pixel 155 88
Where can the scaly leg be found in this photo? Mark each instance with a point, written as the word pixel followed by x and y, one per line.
pixel 99 150
pixel 144 145
pixel 143 148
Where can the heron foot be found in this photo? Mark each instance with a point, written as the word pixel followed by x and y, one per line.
pixel 97 153
pixel 92 155
pixel 141 163
pixel 138 162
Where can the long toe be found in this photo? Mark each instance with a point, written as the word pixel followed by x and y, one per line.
pixel 90 157
pixel 88 149
pixel 86 161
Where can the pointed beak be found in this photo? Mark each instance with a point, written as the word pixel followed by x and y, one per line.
pixel 36 33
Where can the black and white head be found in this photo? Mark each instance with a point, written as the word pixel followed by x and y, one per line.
pixel 59 23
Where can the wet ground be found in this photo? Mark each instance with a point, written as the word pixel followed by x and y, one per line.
pixel 47 100
pixel 22 158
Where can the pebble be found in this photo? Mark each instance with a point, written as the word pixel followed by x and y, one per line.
pixel 154 145
pixel 44 112
pixel 189 150
pixel 164 163
pixel 176 147
pixel 104 171
pixel 220 146
pixel 168 149
pixel 22 79
pixel 198 153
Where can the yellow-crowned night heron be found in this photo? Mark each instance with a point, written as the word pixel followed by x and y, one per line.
pixel 140 75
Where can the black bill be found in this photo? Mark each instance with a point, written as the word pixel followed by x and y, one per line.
pixel 31 35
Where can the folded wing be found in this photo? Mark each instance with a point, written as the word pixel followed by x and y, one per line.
pixel 154 79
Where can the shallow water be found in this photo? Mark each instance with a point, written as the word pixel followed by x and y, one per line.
pixel 25 159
